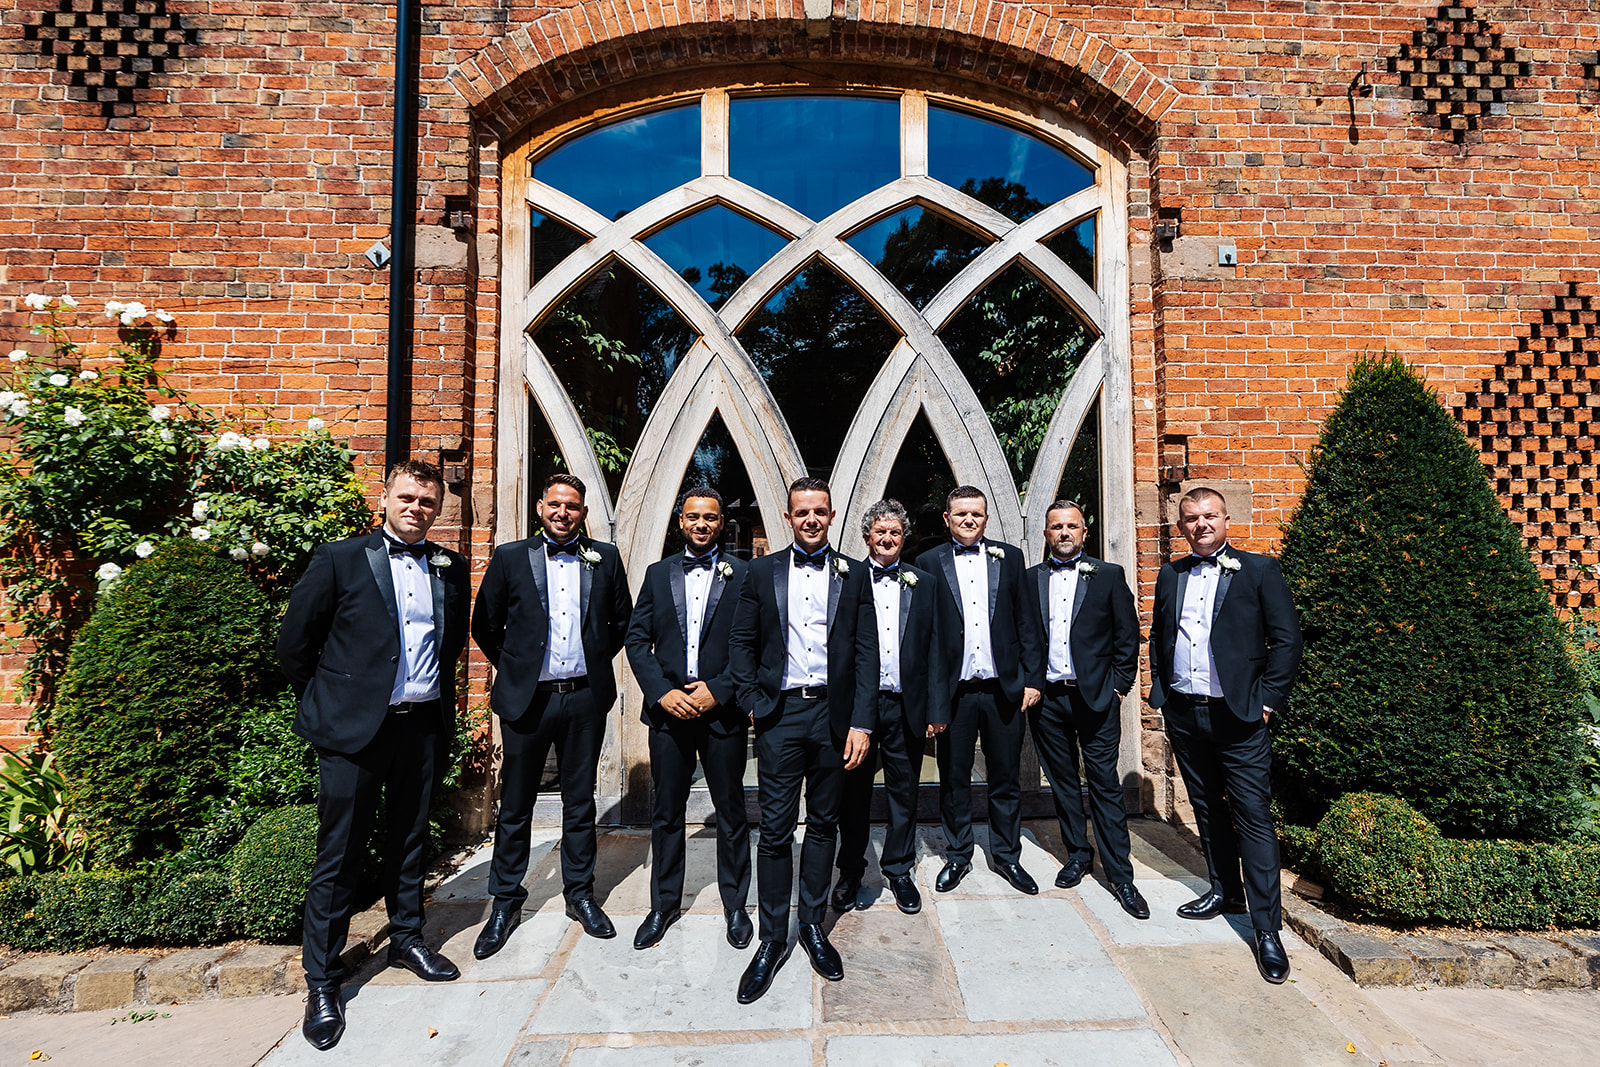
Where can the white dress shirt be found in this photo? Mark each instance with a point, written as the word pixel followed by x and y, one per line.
pixel 1194 665
pixel 1063 590
pixel 416 677
pixel 886 599
pixel 807 638
pixel 696 591
pixel 563 653
pixel 972 580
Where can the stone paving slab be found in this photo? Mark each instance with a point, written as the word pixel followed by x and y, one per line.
pixel 1499 1027
pixel 218 1033
pixel 982 882
pixel 1049 1048
pixel 1164 927
pixel 526 955
pixel 686 984
pixel 792 1053
pixel 387 1026
pixel 881 949
pixel 1032 958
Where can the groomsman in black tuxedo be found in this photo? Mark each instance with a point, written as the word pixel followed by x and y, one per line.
pixel 369 642
pixel 985 654
pixel 678 646
pixel 902 598
pixel 1085 616
pixel 805 665
pixel 551 615
pixel 1224 652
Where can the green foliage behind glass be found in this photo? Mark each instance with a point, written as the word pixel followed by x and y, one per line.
pixel 148 722
pixel 1435 669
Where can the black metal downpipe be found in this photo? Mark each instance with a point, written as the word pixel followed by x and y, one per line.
pixel 402 235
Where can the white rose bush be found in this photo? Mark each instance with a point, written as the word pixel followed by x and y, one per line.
pixel 101 464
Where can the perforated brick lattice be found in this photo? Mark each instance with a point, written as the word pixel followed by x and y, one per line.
pixel 110 47
pixel 1591 72
pixel 1537 422
pixel 1458 68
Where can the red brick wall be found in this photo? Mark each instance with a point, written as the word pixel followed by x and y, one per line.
pixel 239 185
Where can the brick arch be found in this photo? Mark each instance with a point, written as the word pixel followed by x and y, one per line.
pixel 597 43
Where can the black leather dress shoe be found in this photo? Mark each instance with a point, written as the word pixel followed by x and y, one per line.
pixel 740 929
pixel 497 931
pixel 423 962
pixel 1131 899
pixel 1209 906
pixel 1020 879
pixel 654 928
pixel 1271 960
pixel 324 1024
pixel 824 957
pixel 845 893
pixel 762 970
pixel 951 876
pixel 586 913
pixel 1071 874
pixel 906 896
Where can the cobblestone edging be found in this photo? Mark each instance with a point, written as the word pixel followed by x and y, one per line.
pixel 1554 961
pixel 154 979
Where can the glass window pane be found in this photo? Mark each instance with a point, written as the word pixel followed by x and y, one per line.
pixel 1019 346
pixel 543 457
pixel 715 250
pixel 1075 247
pixel 918 250
pixel 1080 481
pixel 1015 173
pixel 815 153
pixel 818 342
pixel 614 343
pixel 920 479
pixel 553 241
pixel 717 463
pixel 618 167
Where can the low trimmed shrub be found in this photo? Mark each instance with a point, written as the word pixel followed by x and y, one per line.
pixel 64 911
pixel 269 869
pixel 1381 854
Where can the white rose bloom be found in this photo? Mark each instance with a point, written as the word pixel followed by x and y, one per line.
pixel 237 553
pixel 200 510
pixel 17 355
pixel 144 549
pixel 261 444
pixel 163 317
pixel 36 301
pixel 59 379
pixel 108 572
pixel 7 398
pixel 74 417
pixel 199 533
pixel 19 406
pixel 67 301
pixel 114 308
pixel 132 313
pixel 159 413
pixel 315 424
pixel 87 375
pixel 166 436
pixel 259 549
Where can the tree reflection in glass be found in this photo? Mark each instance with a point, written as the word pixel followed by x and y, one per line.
pixel 717 463
pixel 818 343
pixel 614 343
pixel 1019 347
pixel 553 241
pixel 715 250
pixel 1015 173
pixel 920 479
pixel 917 249
pixel 1075 247
pixel 1080 481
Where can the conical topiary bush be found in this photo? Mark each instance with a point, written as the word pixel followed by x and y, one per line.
pixel 1435 668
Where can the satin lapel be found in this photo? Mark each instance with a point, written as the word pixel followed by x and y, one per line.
pixel 994 580
pixel 780 589
pixel 1183 584
pixel 541 580
pixel 585 580
pixel 718 583
pixel 1223 581
pixel 680 598
pixel 436 585
pixel 1044 596
pixel 947 560
pixel 378 560
pixel 835 583
pixel 905 607
pixel 1078 591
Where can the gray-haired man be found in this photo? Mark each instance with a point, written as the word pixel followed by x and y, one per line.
pixel 903 598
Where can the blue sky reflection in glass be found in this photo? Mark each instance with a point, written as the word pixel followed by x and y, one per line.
pixel 1013 172
pixel 618 167
pixel 815 153
pixel 715 250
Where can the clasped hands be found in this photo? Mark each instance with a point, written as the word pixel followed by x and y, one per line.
pixel 690 702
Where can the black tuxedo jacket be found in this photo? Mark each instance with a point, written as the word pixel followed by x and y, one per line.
pixel 1255 633
pixel 511 621
pixel 916 648
pixel 1016 647
pixel 658 641
pixel 1104 634
pixel 339 642
pixel 760 643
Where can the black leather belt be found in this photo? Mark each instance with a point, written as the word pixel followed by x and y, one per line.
pixel 564 685
pixel 807 692
pixel 406 707
pixel 1059 688
pixel 1200 700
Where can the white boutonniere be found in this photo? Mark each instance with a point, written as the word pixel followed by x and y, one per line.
pixel 1227 562
pixel 996 551
pixel 439 561
pixel 725 569
pixel 908 579
pixel 1085 569
pixel 841 566
pixel 588 557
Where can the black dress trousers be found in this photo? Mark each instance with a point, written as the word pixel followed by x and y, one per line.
pixel 794 749
pixel 1063 723
pixel 900 756
pixel 674 748
pixel 981 711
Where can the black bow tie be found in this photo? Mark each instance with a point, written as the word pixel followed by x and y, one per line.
pixel 803 560
pixel 1063 564
pixel 967 550
pixel 568 549
pixel 1205 561
pixel 880 573
pixel 695 563
pixel 400 548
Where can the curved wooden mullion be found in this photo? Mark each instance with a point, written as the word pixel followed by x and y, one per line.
pixel 566 426
pixel 981 462
pixel 1056 449
pixel 871 448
